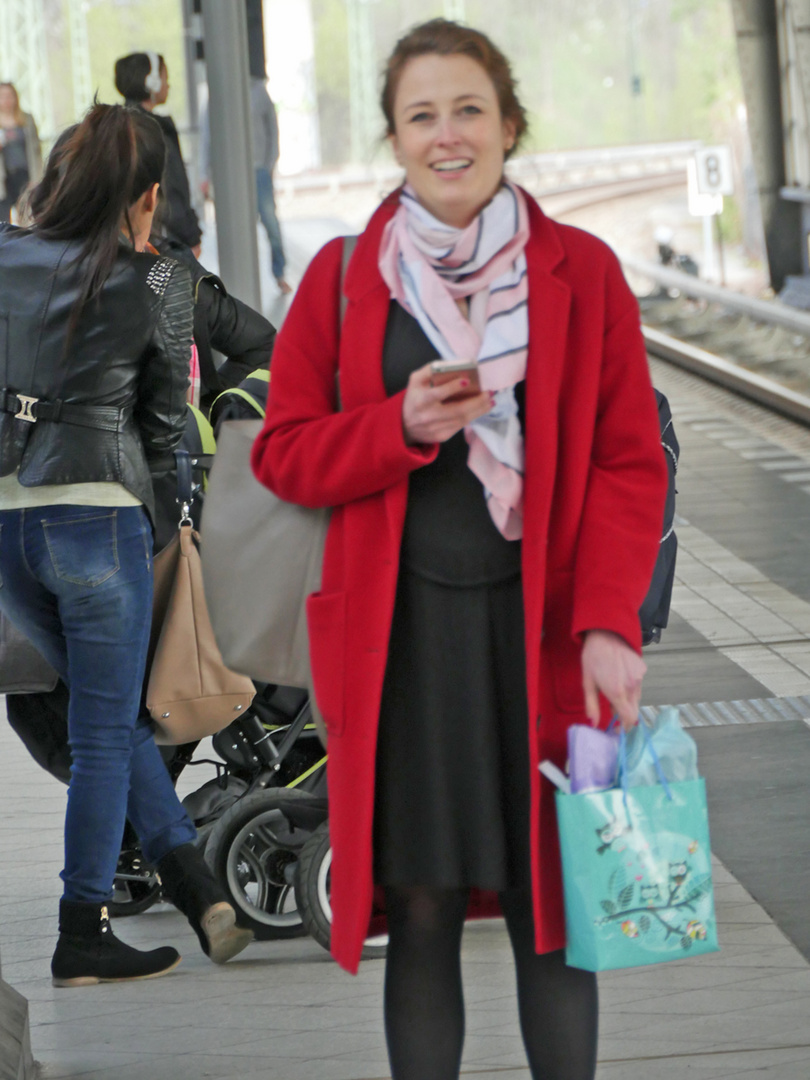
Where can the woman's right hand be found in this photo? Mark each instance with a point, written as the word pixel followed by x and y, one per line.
pixel 428 416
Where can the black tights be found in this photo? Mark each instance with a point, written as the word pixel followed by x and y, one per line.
pixel 424 1003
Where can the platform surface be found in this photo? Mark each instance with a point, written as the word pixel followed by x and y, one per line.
pixel 737 658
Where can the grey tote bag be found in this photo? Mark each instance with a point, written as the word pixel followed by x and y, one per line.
pixel 22 669
pixel 261 558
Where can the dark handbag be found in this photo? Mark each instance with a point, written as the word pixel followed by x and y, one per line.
pixel 22 669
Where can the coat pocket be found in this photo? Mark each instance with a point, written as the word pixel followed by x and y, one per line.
pixel 326 622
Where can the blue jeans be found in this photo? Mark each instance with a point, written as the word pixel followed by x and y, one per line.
pixel 77 580
pixel 267 212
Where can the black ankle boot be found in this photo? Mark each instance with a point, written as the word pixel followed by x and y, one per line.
pixel 191 887
pixel 88 952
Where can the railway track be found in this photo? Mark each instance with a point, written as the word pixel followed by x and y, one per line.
pixel 759 350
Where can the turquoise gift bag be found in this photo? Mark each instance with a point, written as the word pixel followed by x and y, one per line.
pixel 637 875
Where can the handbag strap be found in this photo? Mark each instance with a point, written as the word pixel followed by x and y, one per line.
pixel 185 494
pixel 349 244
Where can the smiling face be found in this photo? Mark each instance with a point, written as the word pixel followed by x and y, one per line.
pixel 449 135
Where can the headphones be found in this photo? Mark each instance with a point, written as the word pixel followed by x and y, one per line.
pixel 153 81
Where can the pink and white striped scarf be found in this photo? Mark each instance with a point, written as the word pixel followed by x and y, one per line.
pixel 428 265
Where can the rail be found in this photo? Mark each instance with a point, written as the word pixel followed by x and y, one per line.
pixel 726 373
pixel 731 376
pixel 767 311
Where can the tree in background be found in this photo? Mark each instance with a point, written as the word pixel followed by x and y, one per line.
pixel 594 73
pixel 598 72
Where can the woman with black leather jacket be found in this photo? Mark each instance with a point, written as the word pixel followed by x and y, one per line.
pixel 94 346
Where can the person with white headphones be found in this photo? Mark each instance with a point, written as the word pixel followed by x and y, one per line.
pixel 142 79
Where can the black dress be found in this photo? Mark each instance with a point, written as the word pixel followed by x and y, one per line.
pixel 452 786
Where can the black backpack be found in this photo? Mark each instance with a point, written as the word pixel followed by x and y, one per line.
pixel 654 612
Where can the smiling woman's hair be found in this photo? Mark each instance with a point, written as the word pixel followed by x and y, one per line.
pixel 442 37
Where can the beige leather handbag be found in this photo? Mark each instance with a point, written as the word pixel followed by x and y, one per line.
pixel 191 693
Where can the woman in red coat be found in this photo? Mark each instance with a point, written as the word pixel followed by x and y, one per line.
pixel 490 545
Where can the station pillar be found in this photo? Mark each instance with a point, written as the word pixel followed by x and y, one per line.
pixel 759 26
pixel 232 171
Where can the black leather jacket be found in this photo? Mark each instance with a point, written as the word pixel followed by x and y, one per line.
pixel 122 381
pixel 223 323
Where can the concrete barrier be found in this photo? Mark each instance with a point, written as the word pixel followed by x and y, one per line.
pixel 16 1062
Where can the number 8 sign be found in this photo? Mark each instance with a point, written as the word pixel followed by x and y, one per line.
pixel 714 175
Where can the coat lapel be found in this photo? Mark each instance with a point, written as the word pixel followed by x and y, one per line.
pixel 363 332
pixel 549 309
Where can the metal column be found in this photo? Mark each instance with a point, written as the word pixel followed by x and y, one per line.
pixel 232 172
pixel 364 116
pixel 758 47
pixel 80 59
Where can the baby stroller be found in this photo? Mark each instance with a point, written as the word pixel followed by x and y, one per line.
pixel 275 839
pixel 271 851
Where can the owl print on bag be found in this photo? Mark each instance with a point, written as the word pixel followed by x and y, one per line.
pixel 610 833
pixel 673 907
pixel 678 873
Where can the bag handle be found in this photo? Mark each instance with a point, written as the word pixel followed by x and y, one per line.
pixel 349 244
pixel 185 491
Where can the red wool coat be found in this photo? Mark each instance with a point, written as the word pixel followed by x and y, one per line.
pixel 594 494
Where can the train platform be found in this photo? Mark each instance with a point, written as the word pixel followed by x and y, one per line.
pixel 735 659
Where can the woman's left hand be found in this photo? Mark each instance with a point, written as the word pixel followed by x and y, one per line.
pixel 609 665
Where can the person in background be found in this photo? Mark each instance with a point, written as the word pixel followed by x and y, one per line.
pixel 142 79
pixel 80 444
pixel 264 126
pixel 20 152
pixel 490 544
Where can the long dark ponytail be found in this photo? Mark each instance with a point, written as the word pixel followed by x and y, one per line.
pixel 93 177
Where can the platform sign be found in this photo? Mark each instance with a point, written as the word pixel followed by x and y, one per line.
pixel 701 204
pixel 714 171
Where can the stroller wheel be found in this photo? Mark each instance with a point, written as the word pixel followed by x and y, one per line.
pixel 253 850
pixel 313 892
pixel 135 886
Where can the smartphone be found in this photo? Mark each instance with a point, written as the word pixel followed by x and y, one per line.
pixel 443 371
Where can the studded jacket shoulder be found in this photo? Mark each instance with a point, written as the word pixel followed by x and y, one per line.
pixel 122 381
